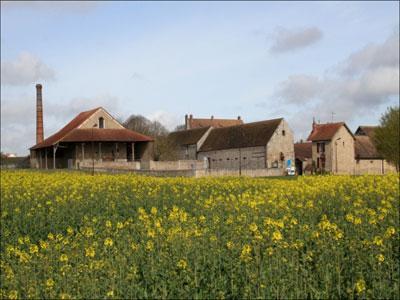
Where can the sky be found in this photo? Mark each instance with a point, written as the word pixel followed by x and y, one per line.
pixel 335 61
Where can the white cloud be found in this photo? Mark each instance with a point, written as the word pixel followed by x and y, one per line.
pixel 298 88
pixel 170 121
pixel 373 56
pixel 362 84
pixel 25 69
pixel 288 40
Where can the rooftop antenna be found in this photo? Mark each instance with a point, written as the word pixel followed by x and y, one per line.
pixel 332 116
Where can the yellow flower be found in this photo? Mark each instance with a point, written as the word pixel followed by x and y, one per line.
pixel 120 225
pixel 360 286
pixel 70 230
pixel 108 224
pixel 65 296
pixel 88 232
pixel 389 232
pixel 276 236
pixel 380 258
pixel 229 245
pixel 64 258
pixel 149 246
pixel 182 264
pixel 108 242
pixel 134 246
pixel 50 236
pixel 43 244
pixel 13 294
pixel 378 241
pixel 90 252
pixel 253 227
pixel 110 293
pixel 33 249
pixel 50 283
pixel 153 211
pixel 245 254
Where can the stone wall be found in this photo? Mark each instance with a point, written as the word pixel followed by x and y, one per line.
pixel 373 166
pixel 244 158
pixel 175 165
pixel 245 172
pixel 343 162
pixel 126 165
pixel 109 121
pixel 281 142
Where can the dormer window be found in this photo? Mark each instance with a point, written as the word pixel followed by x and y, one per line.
pixel 101 122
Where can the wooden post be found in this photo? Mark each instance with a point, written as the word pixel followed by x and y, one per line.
pixel 40 158
pixel 100 158
pixel 133 151
pixel 83 152
pixel 46 159
pixel 116 152
pixel 54 156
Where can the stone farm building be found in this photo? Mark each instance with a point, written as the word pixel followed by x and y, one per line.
pixel 265 147
pixel 332 148
pixel 337 150
pixel 93 135
pixel 368 160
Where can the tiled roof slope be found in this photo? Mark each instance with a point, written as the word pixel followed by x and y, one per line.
pixel 303 151
pixel 241 136
pixel 73 125
pixel 216 123
pixel 105 135
pixel 187 137
pixel 325 132
pixel 366 130
pixel 365 148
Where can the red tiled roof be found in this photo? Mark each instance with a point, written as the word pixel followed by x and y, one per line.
pixel 303 151
pixel 73 125
pixel 216 123
pixel 325 132
pixel 105 135
pixel 241 136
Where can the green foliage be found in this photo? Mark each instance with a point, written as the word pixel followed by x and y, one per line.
pixel 387 136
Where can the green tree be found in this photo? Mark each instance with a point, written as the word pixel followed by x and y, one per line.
pixel 387 136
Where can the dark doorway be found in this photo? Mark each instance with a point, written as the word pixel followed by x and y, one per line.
pixel 129 152
pixel 299 166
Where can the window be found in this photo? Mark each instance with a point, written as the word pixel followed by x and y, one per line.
pixel 101 122
pixel 320 147
pixel 283 132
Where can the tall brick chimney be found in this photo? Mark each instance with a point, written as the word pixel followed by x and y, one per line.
pixel 39 114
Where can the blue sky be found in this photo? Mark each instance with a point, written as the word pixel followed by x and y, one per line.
pixel 259 60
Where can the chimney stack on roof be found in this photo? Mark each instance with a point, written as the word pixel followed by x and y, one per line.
pixel 239 118
pixel 191 116
pixel 39 114
pixel 212 117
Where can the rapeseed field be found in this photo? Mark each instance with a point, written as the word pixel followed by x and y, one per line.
pixel 72 235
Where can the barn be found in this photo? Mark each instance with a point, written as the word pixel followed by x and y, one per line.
pixel 92 136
